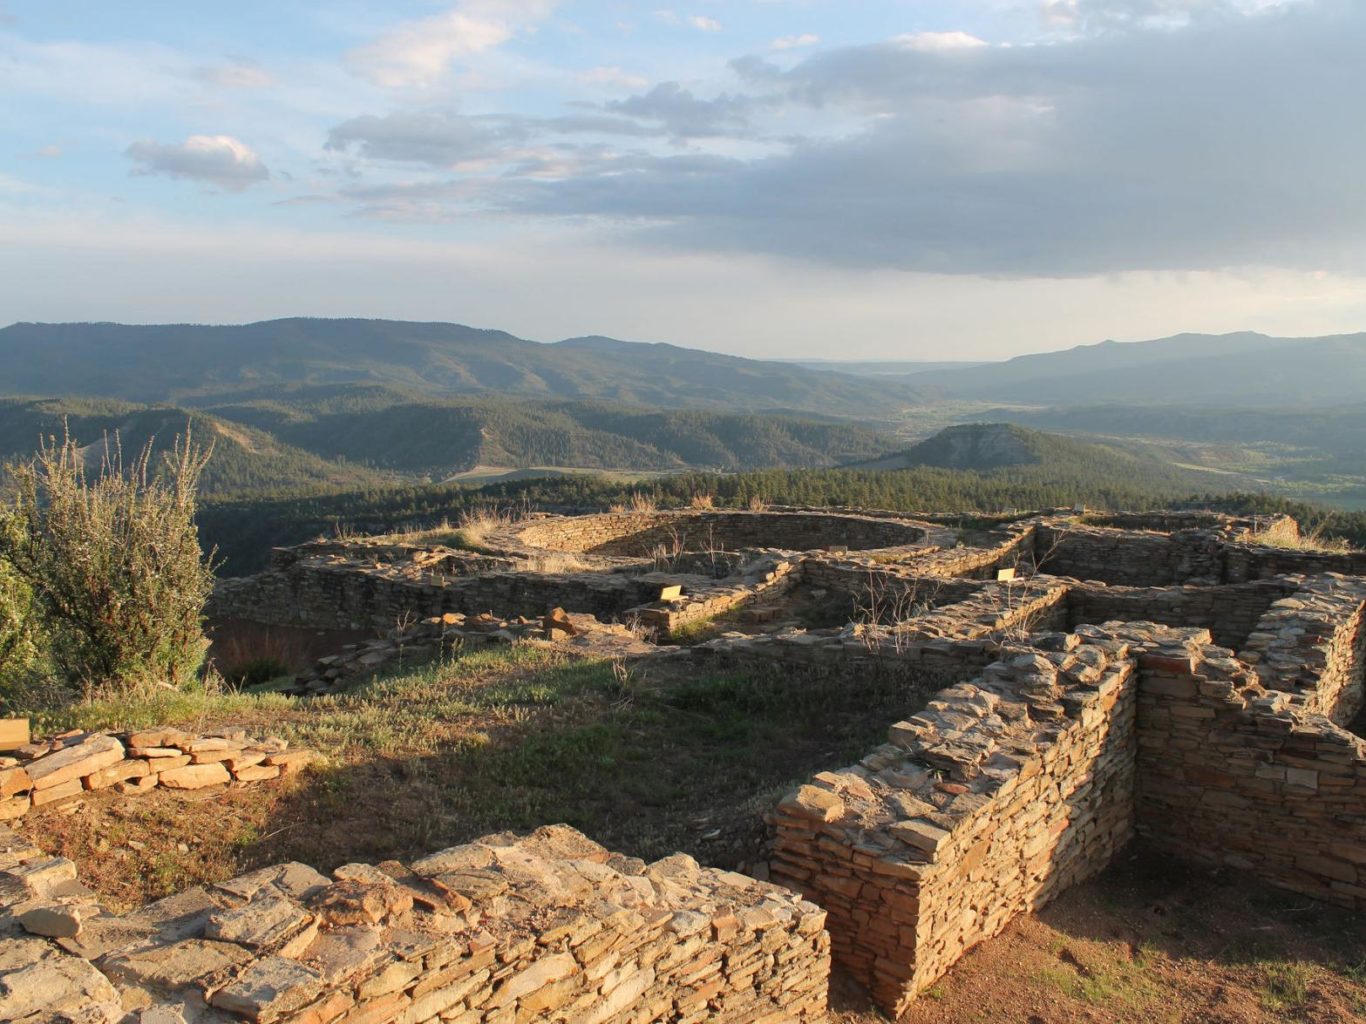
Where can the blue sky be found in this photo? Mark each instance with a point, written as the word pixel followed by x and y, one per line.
pixel 778 178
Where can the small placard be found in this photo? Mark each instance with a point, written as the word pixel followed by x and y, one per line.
pixel 14 733
pixel 671 593
pixel 1005 574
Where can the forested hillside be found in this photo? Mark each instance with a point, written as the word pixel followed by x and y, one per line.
pixel 193 362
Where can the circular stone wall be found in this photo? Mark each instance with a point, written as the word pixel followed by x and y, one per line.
pixel 639 534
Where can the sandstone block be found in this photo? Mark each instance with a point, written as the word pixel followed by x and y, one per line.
pixel 14 807
pixel 132 768
pixel 269 989
pixel 61 791
pixel 56 921
pixel 256 772
pixel 74 762
pixel 194 776
pixel 813 803
pixel 14 780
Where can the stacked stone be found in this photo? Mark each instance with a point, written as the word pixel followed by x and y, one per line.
pixel 1229 611
pixel 764 577
pixel 1130 558
pixel 1312 645
pixel 636 534
pixel 441 635
pixel 324 592
pixel 1233 774
pixel 504 930
pixel 75 763
pixel 988 803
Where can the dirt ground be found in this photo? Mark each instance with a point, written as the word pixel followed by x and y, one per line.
pixel 1153 941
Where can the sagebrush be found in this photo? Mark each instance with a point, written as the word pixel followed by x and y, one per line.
pixel 112 560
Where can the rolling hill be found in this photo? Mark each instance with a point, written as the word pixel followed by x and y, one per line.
pixel 1244 369
pixel 441 437
pixel 189 364
pixel 374 437
pixel 244 460
pixel 993 448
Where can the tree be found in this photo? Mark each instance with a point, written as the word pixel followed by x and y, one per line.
pixel 113 560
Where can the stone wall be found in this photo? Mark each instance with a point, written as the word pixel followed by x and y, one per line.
pixel 989 802
pixel 637 534
pixel 324 594
pixel 1226 554
pixel 1233 774
pixel 1311 644
pixel 1230 612
pixel 503 930
pixel 1129 559
pixel 74 764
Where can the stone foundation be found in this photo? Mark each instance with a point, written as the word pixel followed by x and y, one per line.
pixel 550 927
pixel 69 766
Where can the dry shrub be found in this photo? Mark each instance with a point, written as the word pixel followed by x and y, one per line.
pixel 757 504
pixel 476 526
pixel 114 562
pixel 643 503
pixel 702 501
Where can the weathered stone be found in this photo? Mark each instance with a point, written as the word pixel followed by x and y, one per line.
pixel 263 923
pixel 268 989
pixel 51 986
pixel 75 762
pixel 194 776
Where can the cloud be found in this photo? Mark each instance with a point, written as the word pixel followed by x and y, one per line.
pixel 794 42
pixel 418 53
pixel 704 24
pixel 235 74
pixel 1109 15
pixel 438 139
pixel 1121 151
pixel 681 114
pixel 932 41
pixel 217 159
pixel 613 77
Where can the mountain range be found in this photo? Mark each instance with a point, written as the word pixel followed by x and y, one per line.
pixel 198 364
pixel 1243 369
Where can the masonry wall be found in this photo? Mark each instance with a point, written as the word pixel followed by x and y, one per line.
pixel 1312 645
pixel 1231 613
pixel 546 927
pixel 636 534
pixel 1232 774
pixel 326 596
pixel 1129 559
pixel 990 802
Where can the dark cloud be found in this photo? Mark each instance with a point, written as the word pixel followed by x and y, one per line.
pixel 436 139
pixel 216 159
pixel 681 114
pixel 1229 142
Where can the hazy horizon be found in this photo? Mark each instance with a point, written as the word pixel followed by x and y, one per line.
pixel 780 180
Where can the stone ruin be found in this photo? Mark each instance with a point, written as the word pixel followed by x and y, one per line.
pixel 1082 680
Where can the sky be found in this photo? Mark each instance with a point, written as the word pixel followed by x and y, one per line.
pixel 837 179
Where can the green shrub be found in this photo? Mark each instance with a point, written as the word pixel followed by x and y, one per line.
pixel 113 563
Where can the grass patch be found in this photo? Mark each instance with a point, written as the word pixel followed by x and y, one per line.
pixel 1284 984
pixel 497 739
pixel 1095 974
